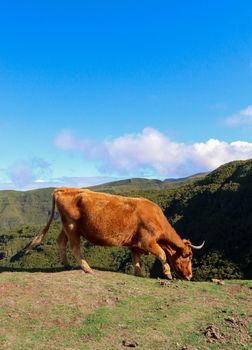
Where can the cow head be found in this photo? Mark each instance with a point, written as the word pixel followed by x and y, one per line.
pixel 181 259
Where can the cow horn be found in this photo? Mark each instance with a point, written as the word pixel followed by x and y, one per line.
pixel 197 246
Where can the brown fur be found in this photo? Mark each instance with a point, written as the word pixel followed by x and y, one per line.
pixel 111 220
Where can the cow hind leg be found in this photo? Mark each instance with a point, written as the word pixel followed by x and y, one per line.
pixel 77 254
pixel 154 248
pixel 74 240
pixel 62 241
pixel 136 256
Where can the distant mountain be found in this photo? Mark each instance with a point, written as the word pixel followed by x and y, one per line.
pixel 187 179
pixel 215 207
pixel 142 184
pixel 32 207
pixel 29 207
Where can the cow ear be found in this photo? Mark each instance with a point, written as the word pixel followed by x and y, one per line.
pixel 186 251
pixel 186 241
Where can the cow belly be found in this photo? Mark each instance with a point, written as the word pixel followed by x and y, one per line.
pixel 101 241
pixel 107 235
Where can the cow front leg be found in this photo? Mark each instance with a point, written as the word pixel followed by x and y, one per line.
pixel 154 248
pixel 136 256
pixel 62 241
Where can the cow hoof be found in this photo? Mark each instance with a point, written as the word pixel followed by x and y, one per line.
pixel 168 276
pixel 138 274
pixel 89 271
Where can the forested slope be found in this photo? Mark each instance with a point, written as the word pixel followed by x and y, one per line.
pixel 217 208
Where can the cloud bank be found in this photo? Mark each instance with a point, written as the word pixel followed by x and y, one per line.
pixel 25 172
pixel 20 179
pixel 149 153
pixel 152 153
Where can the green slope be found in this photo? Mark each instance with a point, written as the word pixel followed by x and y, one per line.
pixel 216 208
pixel 32 207
pixel 17 208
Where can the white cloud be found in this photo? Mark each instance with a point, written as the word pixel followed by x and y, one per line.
pixel 66 140
pixel 77 181
pixel 244 117
pixel 213 153
pixel 24 173
pixel 148 150
pixel 149 153
pixel 65 181
pixel 152 152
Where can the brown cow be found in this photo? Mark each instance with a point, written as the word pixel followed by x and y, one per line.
pixel 111 220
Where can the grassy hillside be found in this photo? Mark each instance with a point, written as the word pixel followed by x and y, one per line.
pixel 46 257
pixel 216 208
pixel 17 208
pixel 112 311
pixel 32 207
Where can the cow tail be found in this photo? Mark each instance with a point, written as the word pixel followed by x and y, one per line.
pixel 40 236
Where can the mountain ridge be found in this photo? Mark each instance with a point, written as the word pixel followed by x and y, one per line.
pixel 215 208
pixel 32 206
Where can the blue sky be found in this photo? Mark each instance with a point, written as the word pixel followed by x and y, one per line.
pixel 96 90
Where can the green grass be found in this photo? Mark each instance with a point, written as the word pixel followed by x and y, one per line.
pixel 73 310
